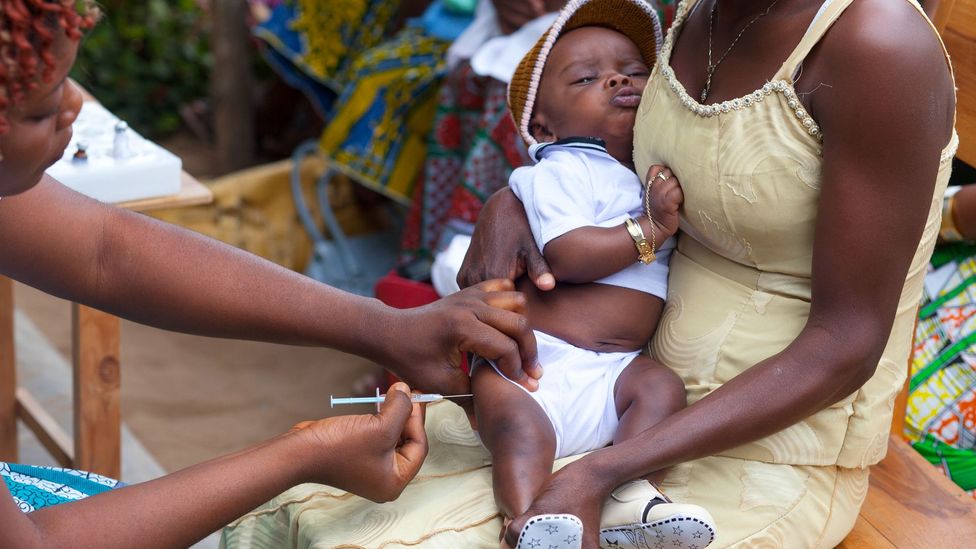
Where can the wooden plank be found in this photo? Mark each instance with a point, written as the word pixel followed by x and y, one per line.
pixel 45 428
pixel 864 536
pixel 960 18
pixel 912 504
pixel 962 51
pixel 97 416
pixel 8 374
pixel 192 193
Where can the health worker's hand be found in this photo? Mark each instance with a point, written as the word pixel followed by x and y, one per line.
pixel 487 319
pixel 374 456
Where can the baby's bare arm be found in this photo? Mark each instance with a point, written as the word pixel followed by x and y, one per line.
pixel 587 254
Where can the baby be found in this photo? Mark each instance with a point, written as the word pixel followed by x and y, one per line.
pixel 574 98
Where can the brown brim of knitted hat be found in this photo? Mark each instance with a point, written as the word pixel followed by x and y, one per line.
pixel 635 19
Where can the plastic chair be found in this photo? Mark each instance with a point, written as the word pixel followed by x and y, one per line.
pixel 353 264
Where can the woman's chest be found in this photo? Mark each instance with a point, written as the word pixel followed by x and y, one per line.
pixel 750 168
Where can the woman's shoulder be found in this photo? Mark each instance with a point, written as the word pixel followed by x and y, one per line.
pixel 892 33
pixel 881 58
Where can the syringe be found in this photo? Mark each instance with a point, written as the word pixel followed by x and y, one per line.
pixel 427 397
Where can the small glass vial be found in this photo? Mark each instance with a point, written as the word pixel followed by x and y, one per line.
pixel 81 155
pixel 120 145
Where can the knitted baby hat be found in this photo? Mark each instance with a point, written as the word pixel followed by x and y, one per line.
pixel 635 19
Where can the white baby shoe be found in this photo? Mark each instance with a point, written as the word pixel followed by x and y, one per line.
pixel 637 515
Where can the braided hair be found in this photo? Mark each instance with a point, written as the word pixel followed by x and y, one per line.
pixel 28 30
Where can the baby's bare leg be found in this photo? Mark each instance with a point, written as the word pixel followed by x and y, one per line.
pixel 519 436
pixel 645 393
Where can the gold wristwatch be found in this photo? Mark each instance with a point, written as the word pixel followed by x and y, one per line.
pixel 645 249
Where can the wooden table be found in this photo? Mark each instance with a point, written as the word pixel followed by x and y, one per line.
pixel 95 364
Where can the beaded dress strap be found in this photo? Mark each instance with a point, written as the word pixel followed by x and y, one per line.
pixel 828 14
pixel 831 11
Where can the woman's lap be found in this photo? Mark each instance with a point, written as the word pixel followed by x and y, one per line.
pixel 451 503
pixel 758 504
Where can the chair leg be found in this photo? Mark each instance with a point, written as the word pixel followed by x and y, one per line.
pixel 97 416
pixel 8 374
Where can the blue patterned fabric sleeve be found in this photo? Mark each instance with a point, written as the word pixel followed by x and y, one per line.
pixel 36 487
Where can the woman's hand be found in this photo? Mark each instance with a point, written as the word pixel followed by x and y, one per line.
pixel 374 456
pixel 486 319
pixel 569 490
pixel 664 199
pixel 502 246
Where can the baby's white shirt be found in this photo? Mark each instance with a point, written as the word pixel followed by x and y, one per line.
pixel 576 183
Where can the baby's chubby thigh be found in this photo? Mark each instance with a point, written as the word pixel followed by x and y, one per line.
pixel 576 392
pixel 645 393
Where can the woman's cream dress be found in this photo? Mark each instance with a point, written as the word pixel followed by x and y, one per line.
pixel 739 292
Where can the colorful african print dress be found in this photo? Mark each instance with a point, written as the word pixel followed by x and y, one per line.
pixel 375 92
pixel 941 421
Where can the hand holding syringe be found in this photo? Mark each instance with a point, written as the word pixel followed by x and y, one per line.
pixel 378 399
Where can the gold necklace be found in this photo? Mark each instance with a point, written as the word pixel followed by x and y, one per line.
pixel 711 67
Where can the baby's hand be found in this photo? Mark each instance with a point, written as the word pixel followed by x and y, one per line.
pixel 662 199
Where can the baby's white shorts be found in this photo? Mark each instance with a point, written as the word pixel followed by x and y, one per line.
pixel 576 393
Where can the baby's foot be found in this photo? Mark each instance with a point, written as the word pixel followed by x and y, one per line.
pixel 551 532
pixel 638 515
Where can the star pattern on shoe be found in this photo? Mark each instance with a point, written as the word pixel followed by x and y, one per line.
pixel 571 539
pixel 535 542
pixel 698 534
pixel 552 529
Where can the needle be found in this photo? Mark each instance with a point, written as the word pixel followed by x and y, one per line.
pixel 427 397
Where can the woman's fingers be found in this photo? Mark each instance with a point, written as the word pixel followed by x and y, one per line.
pixel 502 245
pixel 538 269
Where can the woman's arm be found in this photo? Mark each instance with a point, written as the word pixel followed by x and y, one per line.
pixel 373 456
pixel 144 270
pixel 502 246
pixel 883 137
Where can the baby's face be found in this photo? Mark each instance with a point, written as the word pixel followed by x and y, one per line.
pixel 591 87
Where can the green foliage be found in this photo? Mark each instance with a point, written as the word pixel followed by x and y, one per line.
pixel 146 58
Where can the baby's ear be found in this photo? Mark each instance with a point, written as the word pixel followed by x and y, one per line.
pixel 539 129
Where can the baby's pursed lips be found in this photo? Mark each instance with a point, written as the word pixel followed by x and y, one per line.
pixel 626 97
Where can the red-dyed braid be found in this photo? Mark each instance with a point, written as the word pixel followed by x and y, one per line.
pixel 28 29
